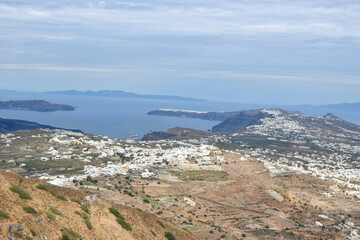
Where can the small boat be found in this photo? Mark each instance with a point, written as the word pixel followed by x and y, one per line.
pixel 133 137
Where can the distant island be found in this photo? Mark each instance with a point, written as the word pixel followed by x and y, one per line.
pixel 10 125
pixel 213 116
pixel 123 94
pixel 34 105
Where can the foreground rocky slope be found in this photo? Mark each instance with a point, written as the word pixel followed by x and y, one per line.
pixel 32 209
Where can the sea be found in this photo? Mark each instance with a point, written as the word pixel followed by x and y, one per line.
pixel 111 116
pixel 121 117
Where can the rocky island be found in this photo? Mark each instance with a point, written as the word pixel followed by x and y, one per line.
pixel 35 105
pixel 215 116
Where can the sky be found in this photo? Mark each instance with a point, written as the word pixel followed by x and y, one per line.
pixel 264 51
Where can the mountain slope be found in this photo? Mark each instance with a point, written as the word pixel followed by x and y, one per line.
pixel 269 121
pixel 58 217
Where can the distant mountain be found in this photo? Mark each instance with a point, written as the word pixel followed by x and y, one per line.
pixel 35 105
pixel 348 111
pixel 10 125
pixel 123 94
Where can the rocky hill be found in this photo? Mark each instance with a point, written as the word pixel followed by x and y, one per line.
pixel 271 121
pixel 32 209
pixel 176 133
pixel 10 125
pixel 35 105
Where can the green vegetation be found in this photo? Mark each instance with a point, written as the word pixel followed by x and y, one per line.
pixel 124 224
pixel 61 197
pixel 161 224
pixel 76 200
pixel 169 236
pixel 202 175
pixel 33 232
pixel 55 211
pixel 71 234
pixel 86 219
pixel 116 213
pixel 22 193
pixel 87 222
pixel 4 215
pixel 42 187
pixel 262 232
pixel 85 208
pixel 29 210
pixel 65 237
pixel 17 234
pixel 58 196
pixel 51 216
pixel 28 238
pixel 145 200
pixel 120 219
pixel 45 188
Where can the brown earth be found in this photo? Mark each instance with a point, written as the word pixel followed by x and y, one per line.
pixel 104 225
pixel 249 203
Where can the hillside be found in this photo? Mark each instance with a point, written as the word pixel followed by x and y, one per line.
pixel 35 105
pixel 10 125
pixel 62 213
pixel 278 121
pixel 175 133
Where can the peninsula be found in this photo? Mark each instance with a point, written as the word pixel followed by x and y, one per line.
pixel 34 105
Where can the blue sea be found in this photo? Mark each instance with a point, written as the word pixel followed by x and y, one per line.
pixel 112 117
pixel 122 117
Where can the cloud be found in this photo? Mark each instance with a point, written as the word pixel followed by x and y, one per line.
pixel 215 18
pixel 56 68
pixel 219 74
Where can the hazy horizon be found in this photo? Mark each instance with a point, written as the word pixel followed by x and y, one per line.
pixel 192 98
pixel 265 52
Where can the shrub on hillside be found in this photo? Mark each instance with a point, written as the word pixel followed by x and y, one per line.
pixel 4 215
pixel 169 236
pixel 29 210
pixel 21 192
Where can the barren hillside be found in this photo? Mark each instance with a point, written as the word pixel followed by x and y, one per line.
pixel 32 209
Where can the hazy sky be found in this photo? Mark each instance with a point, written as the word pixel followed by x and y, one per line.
pixel 266 51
